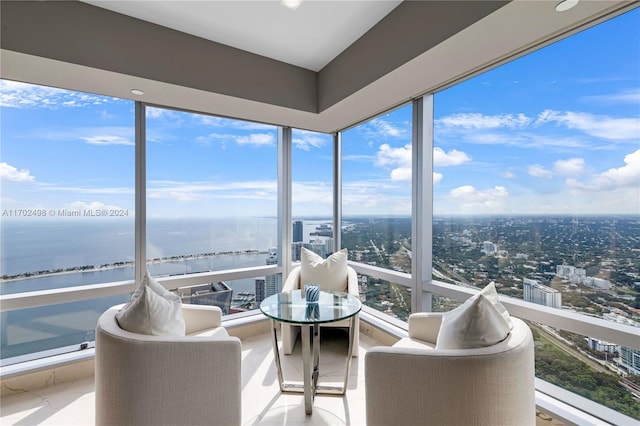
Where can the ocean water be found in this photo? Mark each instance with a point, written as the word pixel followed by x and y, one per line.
pixel 174 246
pixel 30 245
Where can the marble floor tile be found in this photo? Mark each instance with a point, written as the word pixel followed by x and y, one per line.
pixel 72 403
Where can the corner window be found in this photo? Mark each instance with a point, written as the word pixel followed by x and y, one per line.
pixel 67 180
pixel 536 171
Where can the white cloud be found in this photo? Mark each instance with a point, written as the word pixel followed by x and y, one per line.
pixel 12 174
pixel 108 135
pixel 228 123
pixel 537 170
pixel 437 177
pixel 397 158
pixel 14 94
pixel 625 176
pixel 400 160
pixel 107 140
pixel 628 96
pixel 89 190
pixel 93 205
pixel 157 113
pixel 600 126
pixel 177 195
pixel 523 138
pixel 401 174
pixel 256 139
pixel 452 158
pixel 376 197
pixel 358 157
pixel 508 174
pixel 570 167
pixel 579 130
pixel 206 140
pixel 388 156
pixel 471 200
pixel 480 121
pixel 190 191
pixel 312 192
pixel 384 128
pixel 306 140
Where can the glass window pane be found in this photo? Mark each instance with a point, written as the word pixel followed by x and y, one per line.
pixel 312 193
pixel 376 191
pixel 211 193
pixel 387 297
pixel 536 171
pixel 50 330
pixel 67 182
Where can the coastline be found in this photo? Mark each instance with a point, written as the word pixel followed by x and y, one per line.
pixel 119 265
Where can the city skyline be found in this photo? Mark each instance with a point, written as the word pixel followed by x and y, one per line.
pixel 554 132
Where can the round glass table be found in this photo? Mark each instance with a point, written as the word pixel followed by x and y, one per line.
pixel 292 307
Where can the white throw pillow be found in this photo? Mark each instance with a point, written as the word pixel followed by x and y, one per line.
pixel 330 273
pixel 153 310
pixel 480 321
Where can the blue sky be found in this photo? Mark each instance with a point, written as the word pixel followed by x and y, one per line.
pixel 557 131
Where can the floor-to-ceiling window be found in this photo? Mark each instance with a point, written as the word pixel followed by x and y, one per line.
pixel 67 179
pixel 536 188
pixel 376 205
pixel 211 200
pixel 494 225
pixel 312 192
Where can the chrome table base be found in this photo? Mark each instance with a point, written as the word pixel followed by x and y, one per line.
pixel 311 357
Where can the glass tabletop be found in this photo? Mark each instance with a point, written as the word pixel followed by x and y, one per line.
pixel 291 306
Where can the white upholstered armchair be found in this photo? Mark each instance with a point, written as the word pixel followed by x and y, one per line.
pixel 412 383
pixel 159 380
pixel 290 332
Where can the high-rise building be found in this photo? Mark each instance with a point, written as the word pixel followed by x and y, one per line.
pixel 489 248
pixel 272 282
pixel 296 249
pixel 601 345
pixel 328 244
pixel 319 247
pixel 261 288
pixel 629 357
pixel 362 287
pixel 541 294
pixel 297 231
pixel 571 272
pixel 597 283
pixel 630 360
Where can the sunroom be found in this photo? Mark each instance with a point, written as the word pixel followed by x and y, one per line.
pixel 208 142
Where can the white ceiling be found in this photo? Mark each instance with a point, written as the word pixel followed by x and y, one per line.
pixel 309 36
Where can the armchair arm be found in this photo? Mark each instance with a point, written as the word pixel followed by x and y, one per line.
pixel 201 317
pixel 293 280
pixel 425 326
pixel 352 281
pixel 139 378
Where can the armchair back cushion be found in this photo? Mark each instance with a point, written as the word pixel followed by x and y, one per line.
pixel 329 273
pixel 332 274
pixel 480 321
pixel 153 310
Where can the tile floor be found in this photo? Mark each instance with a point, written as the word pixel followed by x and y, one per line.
pixel 72 403
pixel 262 402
